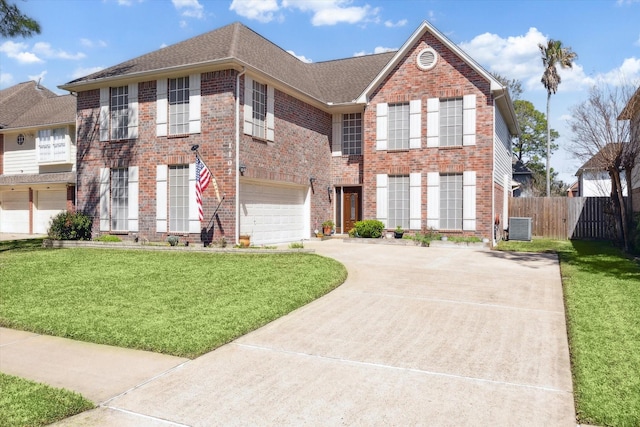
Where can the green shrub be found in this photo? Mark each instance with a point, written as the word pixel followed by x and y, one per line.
pixel 371 228
pixel 296 245
pixel 108 238
pixel 70 226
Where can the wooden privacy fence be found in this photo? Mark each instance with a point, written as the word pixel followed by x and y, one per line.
pixel 566 217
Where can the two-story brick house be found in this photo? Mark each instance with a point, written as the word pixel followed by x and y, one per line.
pixel 631 112
pixel 419 138
pixel 37 157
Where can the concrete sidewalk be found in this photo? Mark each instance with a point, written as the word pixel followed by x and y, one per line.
pixel 415 336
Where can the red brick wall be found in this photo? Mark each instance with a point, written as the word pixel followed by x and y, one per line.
pixel 300 150
pixel 347 170
pixel 451 77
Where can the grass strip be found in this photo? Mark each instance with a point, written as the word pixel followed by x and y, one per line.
pixel 27 403
pixel 179 303
pixel 602 302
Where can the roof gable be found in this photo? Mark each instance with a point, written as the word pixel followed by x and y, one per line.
pixel 28 104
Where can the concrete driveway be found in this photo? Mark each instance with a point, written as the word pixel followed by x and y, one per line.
pixel 415 336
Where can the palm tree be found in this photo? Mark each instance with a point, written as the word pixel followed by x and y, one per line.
pixel 553 54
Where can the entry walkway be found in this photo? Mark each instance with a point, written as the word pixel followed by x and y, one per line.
pixel 415 336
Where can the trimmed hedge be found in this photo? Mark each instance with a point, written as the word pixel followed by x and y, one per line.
pixel 369 228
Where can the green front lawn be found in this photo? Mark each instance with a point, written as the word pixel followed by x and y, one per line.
pixel 174 302
pixel 602 301
pixel 26 403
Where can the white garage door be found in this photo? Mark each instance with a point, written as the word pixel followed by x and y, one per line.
pixel 272 214
pixel 14 212
pixel 50 204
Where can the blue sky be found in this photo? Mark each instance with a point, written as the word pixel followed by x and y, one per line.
pixel 82 36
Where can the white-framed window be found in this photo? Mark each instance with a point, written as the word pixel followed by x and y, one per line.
pixel 259 110
pixel 352 134
pixel 399 201
pixel 52 145
pixel 179 198
pixel 119 112
pixel 451 201
pixel 119 199
pixel 451 122
pixel 178 91
pixel 398 123
pixel 259 120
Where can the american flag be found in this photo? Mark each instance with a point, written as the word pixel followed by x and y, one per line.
pixel 203 179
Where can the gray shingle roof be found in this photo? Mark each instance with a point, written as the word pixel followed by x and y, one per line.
pixel 39 178
pixel 27 104
pixel 332 81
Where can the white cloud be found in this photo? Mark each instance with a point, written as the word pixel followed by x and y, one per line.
pixel 127 2
pixel 259 10
pixel 6 79
pixel 190 8
pixel 391 24
pixel 38 77
pixel 90 43
pixel 18 51
pixel 515 57
pixel 81 72
pixel 627 72
pixel 378 49
pixel 349 15
pixel 324 12
pixel 300 57
pixel 45 50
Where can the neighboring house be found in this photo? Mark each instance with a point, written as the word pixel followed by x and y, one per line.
pixel 37 157
pixel 523 179
pixel 419 138
pixel 573 190
pixel 593 179
pixel 631 112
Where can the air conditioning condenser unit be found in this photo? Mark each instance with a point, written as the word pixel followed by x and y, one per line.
pixel 520 228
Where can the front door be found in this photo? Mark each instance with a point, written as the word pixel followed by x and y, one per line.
pixel 351 211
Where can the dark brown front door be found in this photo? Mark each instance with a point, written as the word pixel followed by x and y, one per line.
pixel 351 200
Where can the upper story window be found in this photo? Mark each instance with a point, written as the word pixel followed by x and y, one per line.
pixel 179 106
pixel 451 122
pixel 398 126
pixel 352 133
pixel 119 112
pixel 53 146
pixel 259 120
pixel 259 110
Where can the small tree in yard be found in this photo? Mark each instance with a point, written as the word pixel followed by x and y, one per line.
pixel 599 136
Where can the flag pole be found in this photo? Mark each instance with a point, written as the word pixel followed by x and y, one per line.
pixel 194 148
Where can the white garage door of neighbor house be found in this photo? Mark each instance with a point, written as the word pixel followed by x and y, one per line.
pixel 14 212
pixel 272 214
pixel 50 204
